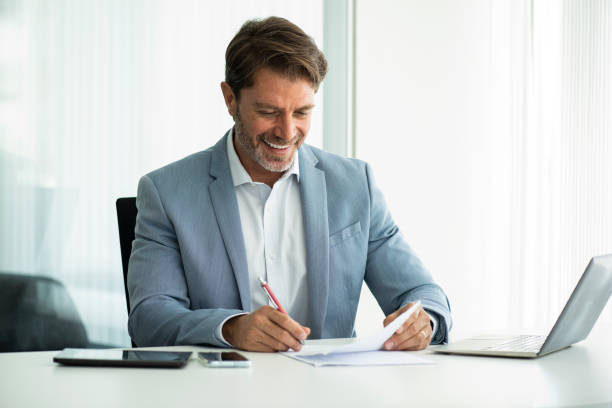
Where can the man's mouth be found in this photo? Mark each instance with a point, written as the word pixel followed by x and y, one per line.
pixel 276 146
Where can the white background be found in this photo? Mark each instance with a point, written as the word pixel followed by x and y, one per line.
pixel 487 123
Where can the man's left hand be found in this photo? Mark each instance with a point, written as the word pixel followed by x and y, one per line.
pixel 414 334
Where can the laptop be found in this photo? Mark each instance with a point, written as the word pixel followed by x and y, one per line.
pixel 573 325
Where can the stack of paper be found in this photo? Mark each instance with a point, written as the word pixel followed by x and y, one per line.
pixel 366 351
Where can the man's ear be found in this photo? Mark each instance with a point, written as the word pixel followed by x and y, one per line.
pixel 229 97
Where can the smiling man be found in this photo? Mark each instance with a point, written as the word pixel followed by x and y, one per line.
pixel 276 120
pixel 261 204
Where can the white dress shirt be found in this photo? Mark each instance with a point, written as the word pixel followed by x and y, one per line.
pixel 274 238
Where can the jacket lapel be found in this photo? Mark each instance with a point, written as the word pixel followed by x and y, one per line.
pixel 224 202
pixel 314 206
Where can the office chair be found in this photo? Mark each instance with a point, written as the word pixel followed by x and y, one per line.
pixel 37 313
pixel 126 218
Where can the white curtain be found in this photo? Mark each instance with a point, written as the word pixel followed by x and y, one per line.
pixel 544 174
pixel 94 94
pixel 488 126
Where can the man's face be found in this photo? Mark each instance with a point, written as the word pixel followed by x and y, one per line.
pixel 272 120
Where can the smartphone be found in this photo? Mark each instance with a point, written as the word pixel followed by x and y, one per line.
pixel 222 359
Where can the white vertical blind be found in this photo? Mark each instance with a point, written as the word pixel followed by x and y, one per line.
pixel 488 127
pixel 487 124
pixel 94 94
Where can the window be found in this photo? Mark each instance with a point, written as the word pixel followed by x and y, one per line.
pixel 488 128
pixel 93 95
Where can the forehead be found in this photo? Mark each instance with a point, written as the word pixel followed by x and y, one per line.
pixel 270 87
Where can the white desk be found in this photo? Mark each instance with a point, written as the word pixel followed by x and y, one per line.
pixel 578 376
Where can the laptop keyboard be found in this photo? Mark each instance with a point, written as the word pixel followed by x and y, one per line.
pixel 523 343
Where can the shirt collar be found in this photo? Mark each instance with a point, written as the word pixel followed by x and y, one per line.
pixel 239 174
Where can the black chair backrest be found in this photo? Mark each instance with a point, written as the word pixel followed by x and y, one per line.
pixel 126 218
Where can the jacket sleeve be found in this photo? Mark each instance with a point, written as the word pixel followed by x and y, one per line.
pixel 160 312
pixel 394 274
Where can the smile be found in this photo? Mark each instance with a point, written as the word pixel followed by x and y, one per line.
pixel 278 147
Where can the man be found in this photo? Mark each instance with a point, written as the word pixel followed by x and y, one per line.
pixel 261 204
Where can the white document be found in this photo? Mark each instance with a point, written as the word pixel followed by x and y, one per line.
pixel 362 352
pixel 363 358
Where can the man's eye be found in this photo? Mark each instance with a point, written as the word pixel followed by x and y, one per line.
pixel 300 114
pixel 267 113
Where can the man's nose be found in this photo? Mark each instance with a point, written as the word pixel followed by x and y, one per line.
pixel 285 129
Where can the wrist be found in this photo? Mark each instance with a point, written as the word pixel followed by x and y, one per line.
pixel 228 329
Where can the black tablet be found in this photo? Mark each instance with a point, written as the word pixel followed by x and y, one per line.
pixel 122 358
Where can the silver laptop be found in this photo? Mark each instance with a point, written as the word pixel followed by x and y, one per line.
pixel 573 325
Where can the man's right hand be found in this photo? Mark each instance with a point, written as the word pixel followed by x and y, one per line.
pixel 266 329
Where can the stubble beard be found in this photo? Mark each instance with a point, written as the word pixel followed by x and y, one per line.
pixel 273 164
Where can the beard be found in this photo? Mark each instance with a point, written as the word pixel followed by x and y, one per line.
pixel 255 150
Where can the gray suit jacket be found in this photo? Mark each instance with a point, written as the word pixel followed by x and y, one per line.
pixel 188 267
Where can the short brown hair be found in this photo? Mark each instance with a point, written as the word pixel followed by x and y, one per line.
pixel 274 43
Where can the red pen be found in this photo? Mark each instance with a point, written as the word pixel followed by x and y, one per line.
pixel 271 296
pixel 273 299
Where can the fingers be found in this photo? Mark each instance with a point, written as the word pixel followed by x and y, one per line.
pixel 413 338
pixel 281 331
pixel 392 317
pixel 414 334
pixel 289 325
pixel 266 330
pixel 398 312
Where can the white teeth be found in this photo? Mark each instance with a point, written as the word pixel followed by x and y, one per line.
pixel 276 146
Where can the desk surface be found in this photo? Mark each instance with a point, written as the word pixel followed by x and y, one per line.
pixel 578 376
